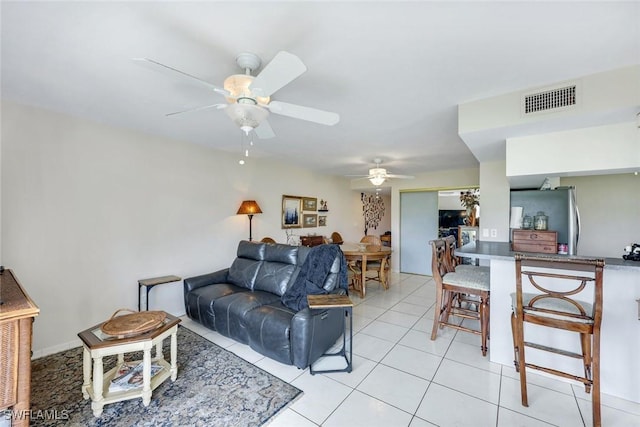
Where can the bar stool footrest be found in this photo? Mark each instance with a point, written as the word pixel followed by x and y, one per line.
pixel 553 350
pixel 461 328
pixel 585 381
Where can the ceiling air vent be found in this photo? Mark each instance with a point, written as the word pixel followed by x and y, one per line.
pixel 552 99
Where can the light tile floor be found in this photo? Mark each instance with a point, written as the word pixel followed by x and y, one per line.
pixel 402 378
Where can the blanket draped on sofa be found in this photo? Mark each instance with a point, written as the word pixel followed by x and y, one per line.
pixel 313 273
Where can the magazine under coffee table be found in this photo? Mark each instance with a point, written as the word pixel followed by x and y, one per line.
pixel 98 385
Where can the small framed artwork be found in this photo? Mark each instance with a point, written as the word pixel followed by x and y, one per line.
pixel 309 204
pixel 310 220
pixel 322 221
pixel 291 212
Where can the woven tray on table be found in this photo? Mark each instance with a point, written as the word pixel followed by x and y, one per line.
pixel 130 325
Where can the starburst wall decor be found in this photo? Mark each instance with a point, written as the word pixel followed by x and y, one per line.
pixel 372 210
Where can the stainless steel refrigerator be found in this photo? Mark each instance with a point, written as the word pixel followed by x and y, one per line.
pixel 559 205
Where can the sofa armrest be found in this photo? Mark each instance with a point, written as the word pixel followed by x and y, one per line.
pixel 313 332
pixel 206 279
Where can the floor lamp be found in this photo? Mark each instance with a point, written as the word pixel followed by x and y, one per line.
pixel 249 207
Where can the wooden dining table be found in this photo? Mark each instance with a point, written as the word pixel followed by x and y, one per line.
pixel 363 253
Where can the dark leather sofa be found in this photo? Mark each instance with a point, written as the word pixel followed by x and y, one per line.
pixel 244 302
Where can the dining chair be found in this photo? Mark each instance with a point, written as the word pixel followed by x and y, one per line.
pixel 354 276
pixel 267 240
pixel 562 293
pixel 371 240
pixel 464 294
pixel 379 266
pixel 336 238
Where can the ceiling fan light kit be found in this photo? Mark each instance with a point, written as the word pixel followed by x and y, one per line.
pixel 377 176
pixel 238 87
pixel 247 116
pixel 376 179
pixel 249 97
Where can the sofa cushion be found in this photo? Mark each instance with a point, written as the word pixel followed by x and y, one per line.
pixel 281 253
pixel 199 302
pixel 251 250
pixel 268 329
pixel 243 272
pixel 273 277
pixel 230 311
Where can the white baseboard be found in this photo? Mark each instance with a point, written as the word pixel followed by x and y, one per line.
pixel 56 349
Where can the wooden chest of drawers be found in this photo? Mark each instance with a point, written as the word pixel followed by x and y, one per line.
pixel 535 241
pixel 17 312
pixel 311 241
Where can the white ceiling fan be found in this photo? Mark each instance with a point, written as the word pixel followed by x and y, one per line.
pixel 377 176
pixel 248 97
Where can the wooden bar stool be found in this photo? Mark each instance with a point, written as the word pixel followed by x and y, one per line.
pixel 556 281
pixel 455 261
pixel 454 291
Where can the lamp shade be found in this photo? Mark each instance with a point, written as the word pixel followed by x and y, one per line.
pixel 249 207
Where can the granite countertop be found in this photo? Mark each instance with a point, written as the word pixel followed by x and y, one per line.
pixel 502 251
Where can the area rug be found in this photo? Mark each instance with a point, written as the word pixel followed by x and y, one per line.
pixel 214 388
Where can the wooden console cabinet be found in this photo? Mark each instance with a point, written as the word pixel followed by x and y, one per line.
pixel 311 241
pixel 17 312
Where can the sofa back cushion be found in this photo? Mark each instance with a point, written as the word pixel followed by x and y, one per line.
pixel 273 268
pixel 277 268
pixel 245 267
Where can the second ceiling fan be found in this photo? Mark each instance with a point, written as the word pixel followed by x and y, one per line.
pixel 248 97
pixel 377 175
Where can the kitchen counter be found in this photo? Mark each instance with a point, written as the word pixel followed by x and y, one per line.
pixel 620 330
pixel 502 250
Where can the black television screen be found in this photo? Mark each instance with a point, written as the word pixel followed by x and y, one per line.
pixel 450 218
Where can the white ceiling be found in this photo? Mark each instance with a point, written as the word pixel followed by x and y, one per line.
pixel 394 71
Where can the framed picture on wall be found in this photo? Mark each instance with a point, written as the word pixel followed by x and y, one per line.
pixel 309 204
pixel 291 212
pixel 310 220
pixel 322 221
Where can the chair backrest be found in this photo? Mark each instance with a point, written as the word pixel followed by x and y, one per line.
pixel 439 262
pixel 561 288
pixel 336 238
pixel 452 260
pixel 267 240
pixel 371 240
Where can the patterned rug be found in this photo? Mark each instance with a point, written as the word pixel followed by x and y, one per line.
pixel 214 388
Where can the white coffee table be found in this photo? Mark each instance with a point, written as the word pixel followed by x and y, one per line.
pixel 97 345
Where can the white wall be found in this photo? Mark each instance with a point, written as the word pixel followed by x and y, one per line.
pixel 601 98
pixel 494 188
pixel 588 151
pixel 88 210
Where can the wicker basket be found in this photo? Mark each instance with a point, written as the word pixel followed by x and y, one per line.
pixel 136 323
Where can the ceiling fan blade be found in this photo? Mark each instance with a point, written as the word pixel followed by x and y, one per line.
pixel 158 66
pixel 283 69
pixel 400 176
pixel 206 107
pixel 304 113
pixel 264 131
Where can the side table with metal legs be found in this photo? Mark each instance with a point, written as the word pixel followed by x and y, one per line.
pixel 335 302
pixel 150 283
